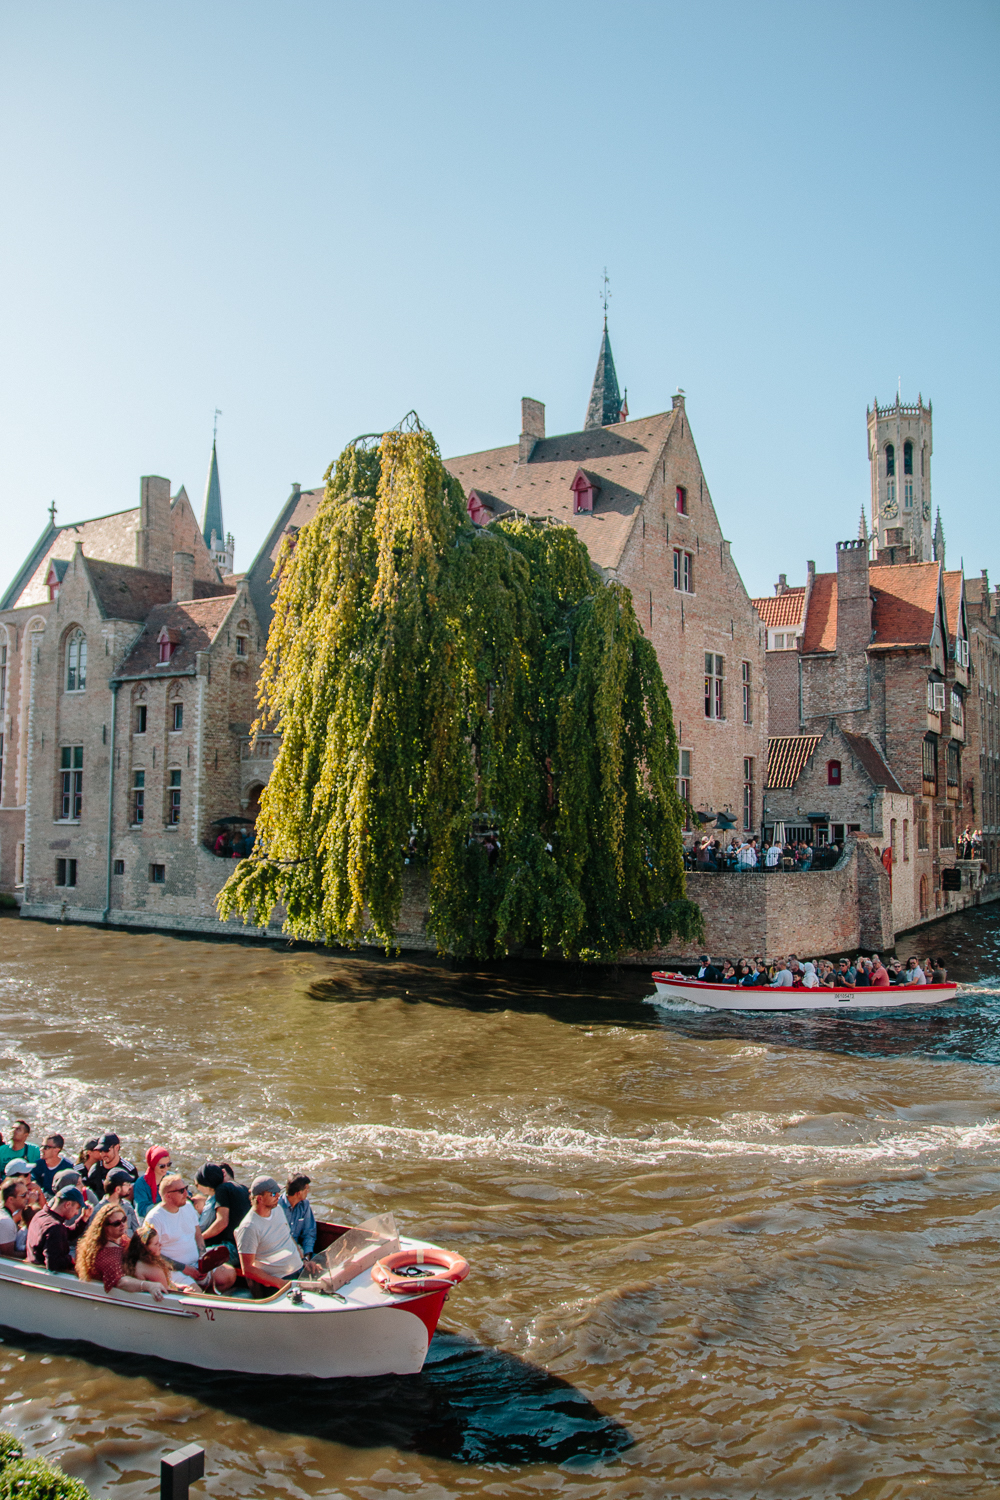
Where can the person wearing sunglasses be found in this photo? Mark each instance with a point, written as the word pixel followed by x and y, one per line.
pixel 100 1253
pixel 175 1220
pixel 147 1188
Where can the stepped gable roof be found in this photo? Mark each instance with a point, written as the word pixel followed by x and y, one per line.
pixel 905 603
pixel 300 508
pixel 952 583
pixel 196 624
pixel 820 633
pixel 786 759
pixel 622 457
pixel 868 753
pixel 782 609
pixel 126 593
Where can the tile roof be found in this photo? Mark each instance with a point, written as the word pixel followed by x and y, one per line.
pixel 126 593
pixel 300 507
pixel 622 457
pixel 868 753
pixel 196 623
pixel 953 602
pixel 786 758
pixel 906 596
pixel 782 609
pixel 820 633
pixel 111 537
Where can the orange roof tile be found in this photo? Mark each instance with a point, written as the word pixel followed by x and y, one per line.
pixel 783 609
pixel 905 600
pixel 820 633
pixel 786 758
pixel 196 624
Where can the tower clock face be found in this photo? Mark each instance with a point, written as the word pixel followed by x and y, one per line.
pixel 890 510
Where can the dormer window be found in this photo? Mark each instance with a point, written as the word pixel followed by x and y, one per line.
pixel 479 512
pixel 167 641
pixel 52 581
pixel 584 488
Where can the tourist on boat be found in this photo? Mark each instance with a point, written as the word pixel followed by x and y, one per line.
pixel 18 1149
pixel 879 974
pixel 269 1257
pixel 13 1229
pixel 810 980
pixel 70 1177
pixel 144 1261
pixel 230 1204
pixel 913 973
pixel 297 1210
pixel 783 979
pixel 147 1187
pixel 89 1154
pixel 119 1188
pixel 52 1161
pixel 100 1254
pixel 176 1222
pixel 110 1148
pixel 54 1230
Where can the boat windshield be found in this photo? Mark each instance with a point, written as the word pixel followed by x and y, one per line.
pixel 354 1252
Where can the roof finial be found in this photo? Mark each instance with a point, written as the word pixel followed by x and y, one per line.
pixel 215 424
pixel 606 296
pixel 52 514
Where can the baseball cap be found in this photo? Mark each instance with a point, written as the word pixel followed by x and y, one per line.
pixel 17 1168
pixel 263 1185
pixel 68 1177
pixel 107 1141
pixel 69 1195
pixel 117 1178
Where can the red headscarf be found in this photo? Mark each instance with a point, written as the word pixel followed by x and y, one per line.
pixel 153 1155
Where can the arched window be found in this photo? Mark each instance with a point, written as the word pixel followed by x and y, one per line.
pixel 907 457
pixel 833 773
pixel 76 663
pixel 890 460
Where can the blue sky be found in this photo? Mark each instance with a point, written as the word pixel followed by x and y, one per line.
pixel 318 215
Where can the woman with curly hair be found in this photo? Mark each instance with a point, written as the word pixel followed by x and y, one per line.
pixel 143 1259
pixel 99 1255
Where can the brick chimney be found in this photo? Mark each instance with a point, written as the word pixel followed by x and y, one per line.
pixel 182 577
pixel 154 540
pixel 854 605
pixel 532 427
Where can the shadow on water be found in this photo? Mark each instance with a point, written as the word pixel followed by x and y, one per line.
pixel 470 1404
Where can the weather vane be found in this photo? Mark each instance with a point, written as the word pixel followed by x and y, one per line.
pixel 605 295
pixel 215 424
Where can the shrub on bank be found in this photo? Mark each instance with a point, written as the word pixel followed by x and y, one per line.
pixel 32 1478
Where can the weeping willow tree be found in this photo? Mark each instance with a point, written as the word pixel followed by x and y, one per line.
pixel 432 680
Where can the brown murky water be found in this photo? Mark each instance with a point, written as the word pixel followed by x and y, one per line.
pixel 712 1257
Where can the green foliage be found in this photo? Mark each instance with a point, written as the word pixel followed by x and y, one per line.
pixel 427 674
pixel 11 1449
pixel 34 1479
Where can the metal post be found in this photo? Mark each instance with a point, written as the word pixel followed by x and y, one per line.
pixel 179 1470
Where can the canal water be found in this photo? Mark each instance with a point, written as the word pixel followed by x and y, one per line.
pixel 711 1256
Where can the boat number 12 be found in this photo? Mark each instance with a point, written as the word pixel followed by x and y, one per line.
pixel 209 1314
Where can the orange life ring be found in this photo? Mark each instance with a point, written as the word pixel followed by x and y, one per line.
pixel 401 1273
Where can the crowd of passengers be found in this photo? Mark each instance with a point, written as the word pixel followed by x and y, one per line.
pixel 810 974
pixel 99 1217
pixel 707 854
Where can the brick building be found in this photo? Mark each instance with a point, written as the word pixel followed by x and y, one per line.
pixel 635 492
pixel 129 669
pixel 982 759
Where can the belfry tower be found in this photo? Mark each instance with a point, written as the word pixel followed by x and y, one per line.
pixel 899 452
pixel 220 544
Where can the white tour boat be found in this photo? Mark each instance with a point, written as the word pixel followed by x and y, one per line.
pixel 373 1312
pixel 738 997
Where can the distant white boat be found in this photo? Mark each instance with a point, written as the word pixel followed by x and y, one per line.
pixel 738 997
pixel 356 1329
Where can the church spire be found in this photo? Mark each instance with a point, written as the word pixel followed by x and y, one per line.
pixel 939 539
pixel 605 405
pixel 211 526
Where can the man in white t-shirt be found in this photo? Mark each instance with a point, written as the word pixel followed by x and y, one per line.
pixel 13 1231
pixel 176 1222
pixel 269 1257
